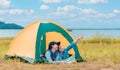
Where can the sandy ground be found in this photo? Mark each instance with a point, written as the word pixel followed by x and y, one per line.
pixel 75 66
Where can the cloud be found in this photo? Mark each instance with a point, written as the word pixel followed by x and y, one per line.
pixel 109 14
pixel 68 8
pixel 31 11
pixel 58 13
pixel 92 1
pixel 3 12
pixel 65 11
pixel 16 12
pixel 44 7
pixel 75 9
pixel 105 15
pixel 20 11
pixel 116 11
pixel 1 19
pixel 5 3
pixel 79 19
pixel 88 11
pixel 72 15
pixel 71 11
pixel 52 1
pixel 75 13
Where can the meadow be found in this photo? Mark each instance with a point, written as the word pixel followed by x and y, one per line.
pixel 100 53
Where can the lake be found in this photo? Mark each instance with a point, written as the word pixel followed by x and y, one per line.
pixel 75 33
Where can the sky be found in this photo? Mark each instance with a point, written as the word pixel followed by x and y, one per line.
pixel 69 13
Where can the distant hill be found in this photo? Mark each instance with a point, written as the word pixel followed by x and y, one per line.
pixel 4 25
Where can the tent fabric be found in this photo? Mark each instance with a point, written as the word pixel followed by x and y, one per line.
pixel 30 60
pixel 33 41
pixel 71 59
pixel 24 43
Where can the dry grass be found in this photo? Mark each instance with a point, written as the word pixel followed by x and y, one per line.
pixel 99 55
pixel 77 66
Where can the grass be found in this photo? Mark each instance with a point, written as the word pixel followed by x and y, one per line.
pixel 4 45
pixel 100 53
pixel 101 49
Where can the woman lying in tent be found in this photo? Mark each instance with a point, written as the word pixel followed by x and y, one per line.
pixel 57 54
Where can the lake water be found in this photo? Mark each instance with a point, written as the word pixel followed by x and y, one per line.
pixel 76 33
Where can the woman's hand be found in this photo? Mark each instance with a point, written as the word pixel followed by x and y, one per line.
pixel 80 37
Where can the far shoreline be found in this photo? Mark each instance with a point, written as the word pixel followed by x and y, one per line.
pixel 11 29
pixel 95 29
pixel 77 29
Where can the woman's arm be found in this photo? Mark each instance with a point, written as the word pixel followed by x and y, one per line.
pixel 73 43
pixel 48 57
pixel 81 37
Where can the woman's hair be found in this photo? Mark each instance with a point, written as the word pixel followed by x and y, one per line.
pixel 52 43
pixel 50 47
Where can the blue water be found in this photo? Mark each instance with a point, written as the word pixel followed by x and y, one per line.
pixel 99 33
pixel 75 33
pixel 8 32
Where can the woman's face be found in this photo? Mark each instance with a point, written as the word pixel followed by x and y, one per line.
pixel 55 47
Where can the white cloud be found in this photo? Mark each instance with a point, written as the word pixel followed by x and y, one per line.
pixel 52 1
pixel 83 14
pixel 3 12
pixel 44 7
pixel 16 11
pixel 109 14
pixel 59 13
pixel 71 11
pixel 72 15
pixel 68 8
pixel 92 1
pixel 105 15
pixel 116 11
pixel 30 11
pixel 63 14
pixel 1 19
pixel 75 9
pixel 65 11
pixel 88 11
pixel 20 11
pixel 5 3
pixel 79 19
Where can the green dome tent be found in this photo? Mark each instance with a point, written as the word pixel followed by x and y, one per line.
pixel 33 41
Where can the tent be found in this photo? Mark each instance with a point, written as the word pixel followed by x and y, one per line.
pixel 33 41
